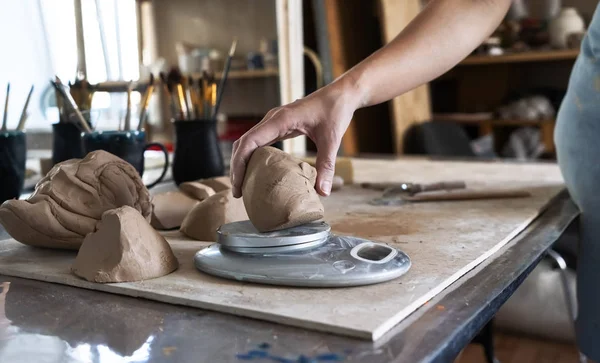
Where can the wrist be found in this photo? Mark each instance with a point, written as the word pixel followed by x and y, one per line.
pixel 351 89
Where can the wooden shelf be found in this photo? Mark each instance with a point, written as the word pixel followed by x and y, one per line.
pixel 490 121
pixel 524 57
pixel 488 126
pixel 245 74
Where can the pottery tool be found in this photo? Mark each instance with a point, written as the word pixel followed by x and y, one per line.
pixel 307 255
pixel 58 85
pixel 127 122
pixel 146 103
pixel 413 188
pixel 224 77
pixel 443 195
pixel 5 117
pixel 23 117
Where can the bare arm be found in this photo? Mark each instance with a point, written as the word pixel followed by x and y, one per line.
pixel 444 33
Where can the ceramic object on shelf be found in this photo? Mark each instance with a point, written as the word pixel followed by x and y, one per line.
pixel 567 22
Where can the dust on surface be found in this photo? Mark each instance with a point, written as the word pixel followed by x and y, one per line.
pixel 373 225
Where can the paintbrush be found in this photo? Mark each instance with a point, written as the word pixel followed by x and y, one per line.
pixel 23 118
pixel 146 103
pixel 205 95
pixel 175 77
pixel 58 85
pixel 168 89
pixel 127 122
pixel 224 77
pixel 5 117
pixel 187 88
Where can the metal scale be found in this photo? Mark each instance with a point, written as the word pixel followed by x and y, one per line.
pixel 307 255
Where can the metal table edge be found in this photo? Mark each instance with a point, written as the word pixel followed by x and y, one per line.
pixel 474 309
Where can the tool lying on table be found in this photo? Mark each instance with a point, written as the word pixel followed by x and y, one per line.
pixel 401 193
pixel 307 255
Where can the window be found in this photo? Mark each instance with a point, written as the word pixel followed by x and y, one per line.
pixel 39 37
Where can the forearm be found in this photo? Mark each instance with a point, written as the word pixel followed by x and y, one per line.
pixel 444 33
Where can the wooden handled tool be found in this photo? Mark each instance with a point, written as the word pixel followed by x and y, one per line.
pixel 413 188
pixel 465 195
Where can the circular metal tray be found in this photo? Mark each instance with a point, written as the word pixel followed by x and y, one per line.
pixel 243 235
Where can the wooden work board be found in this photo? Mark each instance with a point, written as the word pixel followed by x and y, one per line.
pixel 445 240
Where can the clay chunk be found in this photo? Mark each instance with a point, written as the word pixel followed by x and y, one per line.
pixel 124 248
pixel 278 191
pixel 205 218
pixel 196 190
pixel 170 209
pixel 69 201
pixel 218 184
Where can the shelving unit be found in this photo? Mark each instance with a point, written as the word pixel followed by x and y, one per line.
pixel 488 126
pixel 523 57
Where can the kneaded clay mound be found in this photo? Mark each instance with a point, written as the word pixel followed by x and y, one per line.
pixel 71 199
pixel 170 208
pixel 124 248
pixel 279 191
pixel 204 219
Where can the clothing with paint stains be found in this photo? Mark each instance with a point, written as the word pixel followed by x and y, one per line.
pixel 577 138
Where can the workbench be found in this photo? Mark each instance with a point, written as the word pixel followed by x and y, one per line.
pixel 69 324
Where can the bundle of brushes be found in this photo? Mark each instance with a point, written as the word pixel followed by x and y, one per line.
pixel 22 119
pixel 190 97
pixel 193 98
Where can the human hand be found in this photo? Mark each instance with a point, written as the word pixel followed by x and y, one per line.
pixel 323 116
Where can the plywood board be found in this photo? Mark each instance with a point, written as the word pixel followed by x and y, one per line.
pixel 444 240
pixel 413 106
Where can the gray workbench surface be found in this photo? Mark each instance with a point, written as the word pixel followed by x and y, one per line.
pixel 43 322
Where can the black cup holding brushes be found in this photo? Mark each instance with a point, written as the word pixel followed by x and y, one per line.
pixel 66 142
pixel 197 151
pixel 13 153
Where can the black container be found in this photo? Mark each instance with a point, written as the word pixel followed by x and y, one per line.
pixel 197 151
pixel 13 153
pixel 66 143
pixel 128 145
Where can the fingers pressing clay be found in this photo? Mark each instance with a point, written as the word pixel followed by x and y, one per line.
pixel 71 199
pixel 196 190
pixel 205 218
pixel 124 248
pixel 170 209
pixel 279 191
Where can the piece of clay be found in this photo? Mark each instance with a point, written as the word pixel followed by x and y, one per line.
pixel 124 248
pixel 69 201
pixel 337 183
pixel 205 218
pixel 218 184
pixel 170 209
pixel 278 191
pixel 196 190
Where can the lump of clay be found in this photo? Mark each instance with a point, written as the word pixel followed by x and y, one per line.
pixel 205 218
pixel 71 198
pixel 218 184
pixel 196 190
pixel 170 208
pixel 124 248
pixel 278 191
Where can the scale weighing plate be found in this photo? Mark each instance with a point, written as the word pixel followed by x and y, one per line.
pixel 307 255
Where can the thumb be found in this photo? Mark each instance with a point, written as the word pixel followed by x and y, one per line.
pixel 326 155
